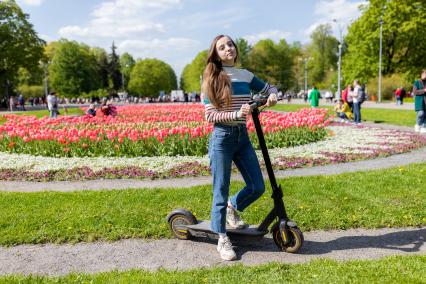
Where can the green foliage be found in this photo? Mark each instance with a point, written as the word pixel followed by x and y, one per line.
pixel 191 74
pixel 150 76
pixel 403 50
pixel 20 45
pixel 100 93
pixel 272 63
pixel 101 58
pixel 323 51
pixel 31 91
pixel 126 62
pixel 244 51
pixel 114 69
pixel 389 85
pixel 73 69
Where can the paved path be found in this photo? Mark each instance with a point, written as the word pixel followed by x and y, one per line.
pixel 175 254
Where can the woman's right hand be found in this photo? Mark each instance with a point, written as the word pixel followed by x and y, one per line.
pixel 244 110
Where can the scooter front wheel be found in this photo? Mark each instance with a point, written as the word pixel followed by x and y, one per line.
pixel 295 235
pixel 178 221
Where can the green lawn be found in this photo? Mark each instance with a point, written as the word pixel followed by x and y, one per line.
pixel 389 116
pixel 45 112
pixel 396 269
pixel 383 198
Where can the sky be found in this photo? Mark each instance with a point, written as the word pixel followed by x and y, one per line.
pixel 175 31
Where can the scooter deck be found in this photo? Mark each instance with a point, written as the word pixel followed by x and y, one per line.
pixel 250 231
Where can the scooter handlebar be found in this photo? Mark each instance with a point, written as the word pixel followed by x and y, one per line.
pixel 259 100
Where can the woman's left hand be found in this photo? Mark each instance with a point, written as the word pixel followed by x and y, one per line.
pixel 272 100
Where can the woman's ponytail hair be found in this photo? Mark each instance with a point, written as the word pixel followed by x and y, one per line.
pixel 216 83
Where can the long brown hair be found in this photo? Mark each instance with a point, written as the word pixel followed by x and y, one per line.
pixel 216 83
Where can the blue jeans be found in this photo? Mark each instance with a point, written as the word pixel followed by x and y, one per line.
pixel 357 112
pixel 227 144
pixel 420 118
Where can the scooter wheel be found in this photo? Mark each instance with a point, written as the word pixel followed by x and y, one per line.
pixel 295 235
pixel 176 221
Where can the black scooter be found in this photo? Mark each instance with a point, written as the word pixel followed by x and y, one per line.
pixel 287 236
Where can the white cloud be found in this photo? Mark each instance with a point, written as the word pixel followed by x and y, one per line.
pixel 33 2
pixel 174 51
pixel 122 19
pixel 275 35
pixel 344 11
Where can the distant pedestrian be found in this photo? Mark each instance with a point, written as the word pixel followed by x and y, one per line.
pixel 356 99
pixel 52 104
pixel 419 92
pixel 313 97
pixel 21 102
pixel 91 110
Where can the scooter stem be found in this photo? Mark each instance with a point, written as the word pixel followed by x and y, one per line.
pixel 262 144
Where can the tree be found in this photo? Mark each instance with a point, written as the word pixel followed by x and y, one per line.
pixel 150 76
pixel 243 50
pixel 73 69
pixel 19 45
pixel 403 50
pixel 323 52
pixel 101 58
pixel 272 63
pixel 191 74
pixel 126 62
pixel 114 69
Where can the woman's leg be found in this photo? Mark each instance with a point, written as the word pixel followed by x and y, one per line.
pixel 248 164
pixel 420 118
pixel 220 153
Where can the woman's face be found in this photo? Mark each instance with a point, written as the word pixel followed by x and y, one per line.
pixel 226 51
pixel 423 75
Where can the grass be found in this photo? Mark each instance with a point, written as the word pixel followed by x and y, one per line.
pixel 395 269
pixel 389 116
pixel 383 198
pixel 45 112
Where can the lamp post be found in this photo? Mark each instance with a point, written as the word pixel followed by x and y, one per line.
pixel 339 63
pixel 380 62
pixel 46 88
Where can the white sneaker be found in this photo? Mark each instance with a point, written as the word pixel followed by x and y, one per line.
pixel 422 130
pixel 233 219
pixel 224 248
pixel 416 128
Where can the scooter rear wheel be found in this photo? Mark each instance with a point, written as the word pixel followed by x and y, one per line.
pixel 295 235
pixel 179 219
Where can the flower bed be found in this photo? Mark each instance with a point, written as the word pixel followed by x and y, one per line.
pixel 147 131
pixel 345 143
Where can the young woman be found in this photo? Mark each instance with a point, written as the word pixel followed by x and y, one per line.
pixel 226 92
pixel 419 91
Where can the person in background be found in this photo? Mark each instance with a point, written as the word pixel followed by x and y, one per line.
pixel 108 109
pixel 21 102
pixel 52 104
pixel 314 97
pixel 343 111
pixel 419 92
pixel 356 94
pixel 91 110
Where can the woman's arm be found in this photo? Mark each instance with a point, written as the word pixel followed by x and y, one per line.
pixel 213 115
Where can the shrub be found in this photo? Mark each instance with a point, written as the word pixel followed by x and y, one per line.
pixel 389 85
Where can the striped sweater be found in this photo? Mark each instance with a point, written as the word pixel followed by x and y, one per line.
pixel 243 83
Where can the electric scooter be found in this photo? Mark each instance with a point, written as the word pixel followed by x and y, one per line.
pixel 287 236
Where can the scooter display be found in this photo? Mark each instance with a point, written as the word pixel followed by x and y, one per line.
pixel 286 235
